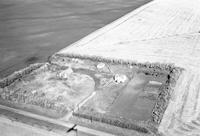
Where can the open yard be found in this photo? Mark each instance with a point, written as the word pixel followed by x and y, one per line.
pixel 137 99
pixel 48 91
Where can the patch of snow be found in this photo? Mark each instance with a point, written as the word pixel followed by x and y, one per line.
pixel 120 78
pixel 100 65
pixel 155 83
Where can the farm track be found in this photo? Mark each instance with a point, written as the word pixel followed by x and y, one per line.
pixel 165 31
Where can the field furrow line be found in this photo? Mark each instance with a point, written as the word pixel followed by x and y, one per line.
pixel 191 99
pixel 185 96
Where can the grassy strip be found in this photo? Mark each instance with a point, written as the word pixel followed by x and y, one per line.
pixel 19 74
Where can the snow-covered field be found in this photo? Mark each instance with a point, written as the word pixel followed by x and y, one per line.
pixel 165 31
